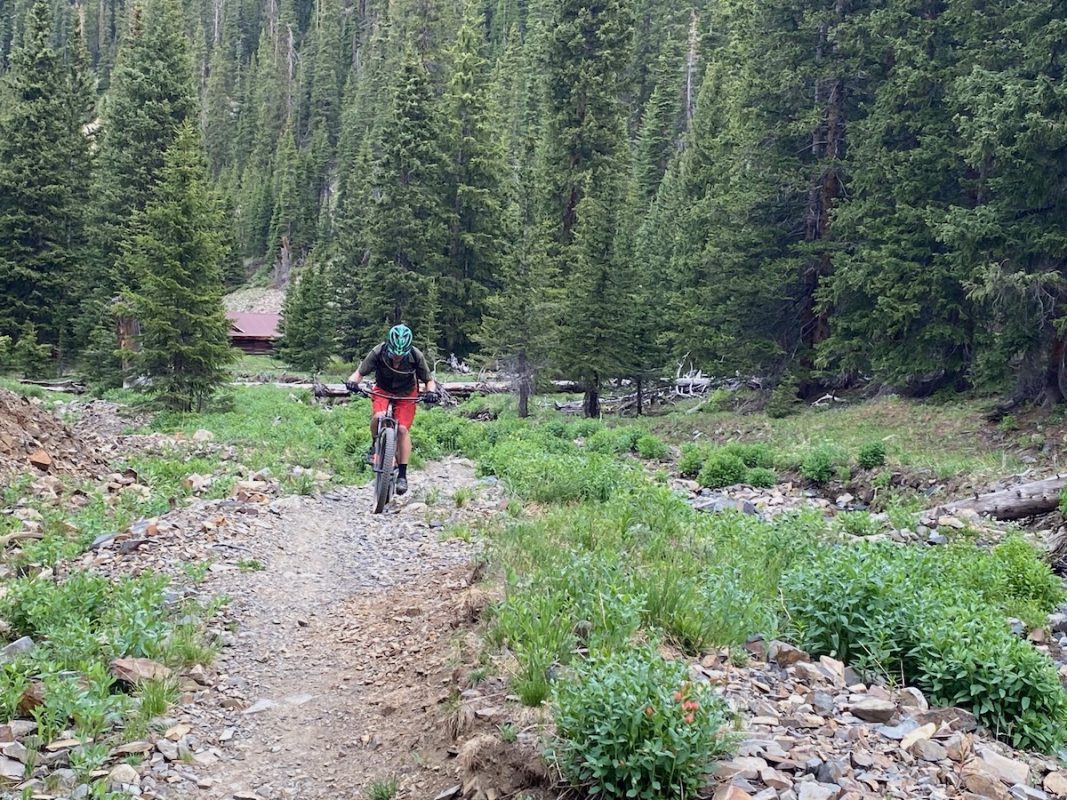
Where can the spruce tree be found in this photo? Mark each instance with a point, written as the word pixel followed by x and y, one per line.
pixel 44 164
pixel 407 226
pixel 476 157
pixel 1011 242
pixel 896 299
pixel 584 158
pixel 175 255
pixel 307 341
pixel 151 98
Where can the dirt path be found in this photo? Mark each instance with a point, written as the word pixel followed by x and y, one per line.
pixel 340 653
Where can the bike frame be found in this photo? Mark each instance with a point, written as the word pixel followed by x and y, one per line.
pixel 387 418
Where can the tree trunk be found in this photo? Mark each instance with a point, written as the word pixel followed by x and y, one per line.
pixel 524 386
pixel 640 398
pixel 591 401
pixel 1025 500
pixel 1053 393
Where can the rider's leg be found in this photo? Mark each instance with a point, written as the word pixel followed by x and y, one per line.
pixel 403 453
pixel 369 457
pixel 403 447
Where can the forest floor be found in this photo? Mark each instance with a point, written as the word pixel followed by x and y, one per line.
pixel 349 654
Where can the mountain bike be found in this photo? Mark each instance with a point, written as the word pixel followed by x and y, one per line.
pixel 383 460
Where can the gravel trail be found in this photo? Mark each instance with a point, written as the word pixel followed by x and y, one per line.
pixel 339 649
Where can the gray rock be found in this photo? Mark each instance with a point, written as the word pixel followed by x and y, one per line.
pixel 872 709
pixel 715 503
pixel 936 538
pixel 16 648
pixel 102 540
pixel 898 732
pixel 817 791
pixel 929 750
pixel 1021 792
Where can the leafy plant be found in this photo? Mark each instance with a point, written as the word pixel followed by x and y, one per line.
pixel 936 617
pixel 652 448
pixel 692 459
pixel 721 469
pixel 632 725
pixel 857 523
pixel 872 455
pixel 761 477
pixel 818 466
pixel 382 788
pixel 508 733
pixel 250 565
pixel 462 496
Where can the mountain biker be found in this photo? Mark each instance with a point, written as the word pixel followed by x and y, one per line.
pixel 397 368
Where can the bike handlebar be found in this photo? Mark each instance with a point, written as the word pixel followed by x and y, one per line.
pixel 375 392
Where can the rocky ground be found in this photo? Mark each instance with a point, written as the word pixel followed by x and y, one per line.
pixel 338 646
pixel 256 301
pixel 349 650
pixel 33 441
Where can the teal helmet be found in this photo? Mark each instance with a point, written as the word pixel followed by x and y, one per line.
pixel 399 340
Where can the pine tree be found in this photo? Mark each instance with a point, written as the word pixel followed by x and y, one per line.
pixel 175 255
pixel 408 227
pixel 585 163
pixel 896 300
pixel 307 341
pixel 353 252
pixel 476 156
pixel 44 164
pixel 151 98
pixel 1011 242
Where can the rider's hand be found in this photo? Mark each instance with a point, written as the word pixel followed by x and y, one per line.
pixel 432 397
pixel 353 387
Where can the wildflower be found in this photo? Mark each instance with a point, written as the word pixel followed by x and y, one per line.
pixel 649 711
pixel 689 718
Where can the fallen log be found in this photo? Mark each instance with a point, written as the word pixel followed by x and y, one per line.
pixel 1018 502
pixel 452 388
pixel 69 387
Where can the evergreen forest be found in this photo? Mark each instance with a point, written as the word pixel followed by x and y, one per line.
pixel 817 193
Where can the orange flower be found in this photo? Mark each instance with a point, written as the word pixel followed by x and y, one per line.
pixel 677 697
pixel 689 718
pixel 649 711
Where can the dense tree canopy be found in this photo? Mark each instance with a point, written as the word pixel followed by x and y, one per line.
pixel 815 191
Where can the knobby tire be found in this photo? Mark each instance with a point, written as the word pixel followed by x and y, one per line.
pixel 383 481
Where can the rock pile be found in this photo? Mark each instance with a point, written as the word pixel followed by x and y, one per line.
pixel 816 731
pixel 35 441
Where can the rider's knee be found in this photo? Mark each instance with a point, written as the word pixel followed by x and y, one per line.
pixel 403 430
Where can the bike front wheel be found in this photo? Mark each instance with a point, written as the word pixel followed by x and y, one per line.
pixel 383 480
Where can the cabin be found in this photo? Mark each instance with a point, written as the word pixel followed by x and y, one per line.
pixel 254 333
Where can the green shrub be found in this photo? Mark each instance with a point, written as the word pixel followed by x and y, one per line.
pixel 533 473
pixel 693 458
pixel 633 726
pixel 753 455
pixel 913 613
pixel 783 401
pixel 1008 423
pixel 721 469
pixel 652 448
pixel 761 477
pixel 872 455
pixel 818 466
pixel 857 523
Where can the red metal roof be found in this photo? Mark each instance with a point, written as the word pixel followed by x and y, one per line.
pixel 258 326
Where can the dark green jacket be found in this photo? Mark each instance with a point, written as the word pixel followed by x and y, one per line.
pixel 398 379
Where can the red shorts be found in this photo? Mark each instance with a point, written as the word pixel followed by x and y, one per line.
pixel 403 410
